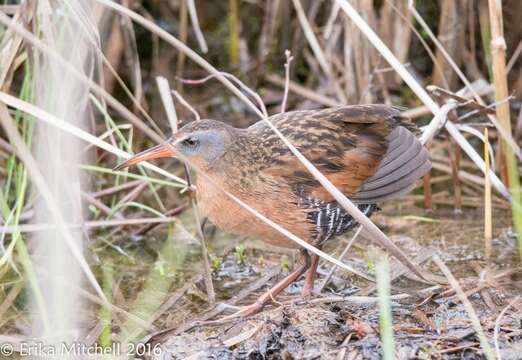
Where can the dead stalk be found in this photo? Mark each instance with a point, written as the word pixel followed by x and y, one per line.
pixel 486 348
pixel 289 59
pixel 488 220
pixel 186 104
pixel 497 324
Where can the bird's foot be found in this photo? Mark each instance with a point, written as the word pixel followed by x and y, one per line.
pixel 307 291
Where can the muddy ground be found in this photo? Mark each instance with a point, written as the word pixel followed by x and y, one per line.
pixel 342 320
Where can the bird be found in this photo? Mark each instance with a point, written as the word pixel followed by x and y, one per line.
pixel 369 152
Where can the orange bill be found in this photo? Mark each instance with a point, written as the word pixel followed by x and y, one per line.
pixel 157 152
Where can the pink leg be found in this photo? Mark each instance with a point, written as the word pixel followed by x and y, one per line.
pixel 276 289
pixel 308 286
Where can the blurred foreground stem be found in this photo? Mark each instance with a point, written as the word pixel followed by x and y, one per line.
pixel 382 273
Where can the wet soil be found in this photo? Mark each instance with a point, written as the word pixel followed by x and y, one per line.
pixel 342 321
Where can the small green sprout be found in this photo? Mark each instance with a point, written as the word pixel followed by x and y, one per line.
pixel 240 253
pixel 285 263
pixel 215 262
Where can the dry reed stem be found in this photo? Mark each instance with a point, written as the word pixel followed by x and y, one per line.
pixel 486 348
pixel 498 49
pixel 195 23
pixel 488 220
pixel 30 228
pixel 497 325
pixel 289 59
pixel 168 103
pixel 25 155
pixel 238 82
pixel 182 33
pixel 186 104
pixel 455 156
pixel 317 50
pixel 336 194
pixel 302 91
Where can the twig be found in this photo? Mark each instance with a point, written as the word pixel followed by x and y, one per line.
pixel 289 59
pixel 195 23
pixel 171 213
pixel 238 82
pixel 514 57
pixel 317 50
pixel 115 189
pixel 486 348
pixel 497 325
pixel 485 109
pixel 302 91
pixel 100 205
pixel 186 104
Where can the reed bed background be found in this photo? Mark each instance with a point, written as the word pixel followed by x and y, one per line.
pixel 114 256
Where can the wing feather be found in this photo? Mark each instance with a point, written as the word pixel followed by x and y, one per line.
pixel 367 151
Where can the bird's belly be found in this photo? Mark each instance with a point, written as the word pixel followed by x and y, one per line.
pixel 231 217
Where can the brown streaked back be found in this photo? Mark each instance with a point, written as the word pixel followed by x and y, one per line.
pixel 369 152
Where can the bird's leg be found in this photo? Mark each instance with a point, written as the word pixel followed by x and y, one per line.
pixel 308 286
pixel 277 288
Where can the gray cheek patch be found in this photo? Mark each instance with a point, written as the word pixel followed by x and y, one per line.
pixel 211 145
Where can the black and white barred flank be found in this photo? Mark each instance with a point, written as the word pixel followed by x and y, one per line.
pixel 330 219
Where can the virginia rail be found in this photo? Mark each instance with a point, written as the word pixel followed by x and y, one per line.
pixel 369 152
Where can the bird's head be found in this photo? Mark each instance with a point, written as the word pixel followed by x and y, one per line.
pixel 202 143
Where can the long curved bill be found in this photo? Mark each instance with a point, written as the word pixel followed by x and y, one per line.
pixel 157 152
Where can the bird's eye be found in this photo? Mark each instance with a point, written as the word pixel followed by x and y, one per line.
pixel 190 142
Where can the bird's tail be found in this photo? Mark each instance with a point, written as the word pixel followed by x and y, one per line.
pixel 405 161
